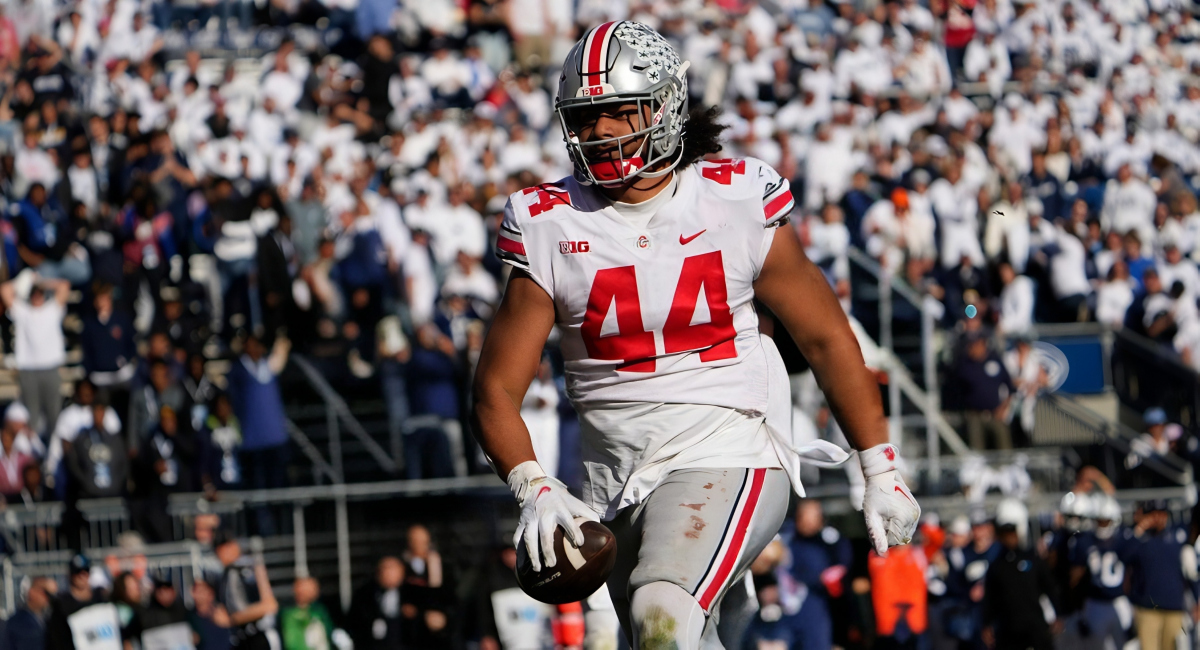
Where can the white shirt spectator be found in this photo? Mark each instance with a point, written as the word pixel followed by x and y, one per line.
pixel 1016 306
pixel 452 229
pixel 1129 205
pixel 1113 300
pixel 473 282
pixel 1068 273
pixel 956 205
pixel 38 342
pixel 282 87
pixel 533 102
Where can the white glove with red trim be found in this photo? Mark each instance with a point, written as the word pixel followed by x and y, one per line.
pixel 545 505
pixel 888 506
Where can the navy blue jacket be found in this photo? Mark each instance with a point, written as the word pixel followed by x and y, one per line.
pixel 24 630
pixel 1156 560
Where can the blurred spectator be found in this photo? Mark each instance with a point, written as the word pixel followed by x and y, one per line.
pixel 500 614
pixel 1024 366
pixel 813 576
pixel 1016 301
pixel 425 592
pixel 146 403
pixel 127 597
pixel 219 446
pixel 434 433
pixel 38 343
pixel 970 550
pixel 209 623
pixel 97 460
pixel 108 344
pixel 75 417
pixel 12 463
pixel 1159 577
pixel 539 410
pixel 307 626
pixel 254 391
pixel 165 619
pixel 1020 596
pixel 162 467
pixel 985 388
pixel 246 596
pixel 1152 445
pixel 80 609
pixel 26 628
pixel 374 619
pixel 25 440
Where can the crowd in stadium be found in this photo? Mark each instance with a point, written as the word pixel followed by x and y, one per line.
pixel 1037 160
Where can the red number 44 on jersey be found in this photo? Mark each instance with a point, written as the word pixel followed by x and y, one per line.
pixel 632 345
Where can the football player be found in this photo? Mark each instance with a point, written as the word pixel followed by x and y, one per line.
pixel 1097 566
pixel 648 258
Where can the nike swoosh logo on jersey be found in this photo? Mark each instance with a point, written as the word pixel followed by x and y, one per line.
pixel 683 241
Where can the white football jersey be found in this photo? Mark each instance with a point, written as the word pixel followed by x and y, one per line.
pixel 660 314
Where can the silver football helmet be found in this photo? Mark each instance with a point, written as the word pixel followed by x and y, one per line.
pixel 624 63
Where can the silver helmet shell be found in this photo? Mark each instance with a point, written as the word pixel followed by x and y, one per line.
pixel 617 63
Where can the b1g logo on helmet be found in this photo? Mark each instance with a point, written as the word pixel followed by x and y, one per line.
pixel 596 91
pixel 568 247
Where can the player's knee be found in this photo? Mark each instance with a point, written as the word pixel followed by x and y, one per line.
pixel 666 617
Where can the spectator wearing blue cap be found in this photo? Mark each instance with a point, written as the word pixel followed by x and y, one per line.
pixel 1151 445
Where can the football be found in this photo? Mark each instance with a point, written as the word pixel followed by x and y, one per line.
pixel 578 573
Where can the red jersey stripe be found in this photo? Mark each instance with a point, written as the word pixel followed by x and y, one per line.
pixel 778 204
pixel 510 246
pixel 735 544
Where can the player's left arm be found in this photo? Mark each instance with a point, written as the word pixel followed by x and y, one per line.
pixel 797 292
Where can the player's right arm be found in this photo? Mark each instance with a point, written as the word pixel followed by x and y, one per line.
pixel 507 365
pixel 508 362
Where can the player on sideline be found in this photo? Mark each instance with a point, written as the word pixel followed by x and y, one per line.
pixel 649 259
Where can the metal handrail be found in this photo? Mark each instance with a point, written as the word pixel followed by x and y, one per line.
pixel 901 287
pixel 338 407
pixel 899 374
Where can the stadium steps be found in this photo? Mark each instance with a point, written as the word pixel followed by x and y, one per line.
pixel 358 464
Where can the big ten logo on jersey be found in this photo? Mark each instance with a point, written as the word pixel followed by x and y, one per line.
pixel 723 170
pixel 546 197
pixel 568 247
pixel 635 347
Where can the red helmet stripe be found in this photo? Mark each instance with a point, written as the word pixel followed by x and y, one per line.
pixel 594 53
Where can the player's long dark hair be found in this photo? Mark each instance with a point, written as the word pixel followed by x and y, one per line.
pixel 701 134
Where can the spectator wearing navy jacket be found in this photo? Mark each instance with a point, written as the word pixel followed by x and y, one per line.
pixel 985 389
pixel 820 560
pixel 1160 576
pixel 254 390
pixel 433 431
pixel 108 347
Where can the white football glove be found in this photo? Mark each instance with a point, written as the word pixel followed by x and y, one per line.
pixel 888 506
pixel 546 504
